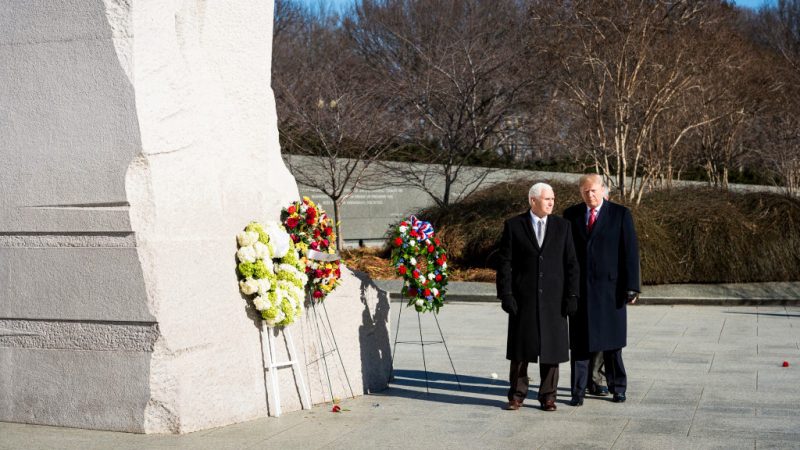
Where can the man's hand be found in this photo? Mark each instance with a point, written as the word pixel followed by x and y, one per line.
pixel 509 305
pixel 569 306
pixel 632 297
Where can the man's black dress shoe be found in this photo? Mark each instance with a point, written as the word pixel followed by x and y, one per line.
pixel 576 401
pixel 600 391
pixel 619 398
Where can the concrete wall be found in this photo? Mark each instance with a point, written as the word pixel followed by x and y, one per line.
pixel 138 138
pixel 368 213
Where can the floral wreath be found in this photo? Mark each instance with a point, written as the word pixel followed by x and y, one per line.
pixel 271 273
pixel 311 230
pixel 419 257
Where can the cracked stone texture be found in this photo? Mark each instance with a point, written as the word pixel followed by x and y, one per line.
pixel 143 138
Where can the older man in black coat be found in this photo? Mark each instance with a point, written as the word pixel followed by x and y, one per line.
pixel 608 251
pixel 537 282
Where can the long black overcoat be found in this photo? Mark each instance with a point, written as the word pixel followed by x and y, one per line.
pixel 609 261
pixel 539 279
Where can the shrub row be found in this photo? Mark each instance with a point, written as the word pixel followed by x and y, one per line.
pixel 685 235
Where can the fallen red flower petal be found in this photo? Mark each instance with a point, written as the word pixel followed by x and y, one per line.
pixel 336 408
pixel 786 364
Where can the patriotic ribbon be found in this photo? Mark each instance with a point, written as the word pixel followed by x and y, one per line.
pixel 421 227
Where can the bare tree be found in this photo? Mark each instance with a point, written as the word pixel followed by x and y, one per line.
pixel 327 109
pixel 456 69
pixel 626 65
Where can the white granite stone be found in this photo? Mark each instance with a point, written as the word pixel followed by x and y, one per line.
pixel 138 138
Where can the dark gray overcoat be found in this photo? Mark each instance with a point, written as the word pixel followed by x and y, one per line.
pixel 539 279
pixel 609 261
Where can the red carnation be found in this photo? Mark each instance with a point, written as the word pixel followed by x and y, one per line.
pixel 327 272
pixel 430 249
pixel 310 221
pixel 316 233
pixel 415 273
pixel 404 224
pixel 338 273
pixel 440 261
pixel 402 270
pixel 308 269
pixel 311 212
pixel 328 231
pixel 444 257
pixel 292 222
pixel 314 245
pixel 336 408
pixel 326 242
pixel 412 292
pixel 319 274
pixel 398 242
pixel 438 277
pixel 295 238
pixel 317 294
pixel 291 209
pixel 437 241
pixel 427 292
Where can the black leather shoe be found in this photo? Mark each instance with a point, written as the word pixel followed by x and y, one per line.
pixel 600 391
pixel 619 398
pixel 576 401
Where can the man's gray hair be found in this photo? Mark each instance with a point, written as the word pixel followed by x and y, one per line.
pixel 536 190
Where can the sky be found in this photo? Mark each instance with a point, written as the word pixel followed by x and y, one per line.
pixel 342 4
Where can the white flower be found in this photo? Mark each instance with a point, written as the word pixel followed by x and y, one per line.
pixel 412 242
pixel 303 209
pixel 431 276
pixel 279 318
pixel 263 286
pixel 413 261
pixel 247 238
pixel 444 266
pixel 419 302
pixel 246 254
pixel 279 239
pixel 261 303
pixel 422 279
pixel 403 229
pixel 262 251
pixel 248 286
pixel 435 292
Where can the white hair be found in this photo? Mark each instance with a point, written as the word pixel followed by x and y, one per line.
pixel 537 189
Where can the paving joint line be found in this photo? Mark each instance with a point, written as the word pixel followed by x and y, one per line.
pixel 620 432
pixel 694 414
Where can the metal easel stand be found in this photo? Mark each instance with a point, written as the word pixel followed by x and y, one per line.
pixel 323 353
pixel 272 365
pixel 422 343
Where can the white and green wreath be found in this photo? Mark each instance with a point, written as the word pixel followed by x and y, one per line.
pixel 270 272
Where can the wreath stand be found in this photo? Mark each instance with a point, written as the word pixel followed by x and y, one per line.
pixel 272 365
pixel 422 343
pixel 323 353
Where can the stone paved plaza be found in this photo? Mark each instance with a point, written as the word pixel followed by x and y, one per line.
pixel 699 377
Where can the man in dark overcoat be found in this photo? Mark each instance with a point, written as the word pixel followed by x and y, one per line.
pixel 608 251
pixel 537 283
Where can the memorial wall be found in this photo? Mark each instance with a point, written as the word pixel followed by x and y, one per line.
pixel 138 138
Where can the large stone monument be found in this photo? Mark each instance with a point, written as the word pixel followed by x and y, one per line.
pixel 138 138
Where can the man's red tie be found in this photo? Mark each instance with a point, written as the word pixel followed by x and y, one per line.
pixel 592 218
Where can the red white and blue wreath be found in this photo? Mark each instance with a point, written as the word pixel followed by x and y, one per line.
pixel 419 257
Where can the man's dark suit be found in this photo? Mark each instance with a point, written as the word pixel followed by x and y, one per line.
pixel 536 286
pixel 609 260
